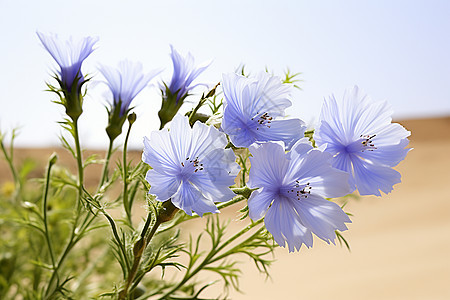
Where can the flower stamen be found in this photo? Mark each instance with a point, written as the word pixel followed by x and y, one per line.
pixel 367 142
pixel 301 190
pixel 263 120
pixel 194 163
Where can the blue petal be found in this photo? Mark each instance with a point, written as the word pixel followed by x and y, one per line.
pixel 247 99
pixel 259 203
pixel 299 149
pixel 162 185
pixel 209 188
pixel 158 153
pixel 189 199
pixel 273 96
pixel 206 137
pixel 269 165
pixel 184 73
pixel 371 178
pixel 126 82
pixel 221 166
pixel 68 55
pixel 283 222
pixel 288 131
pixel 343 162
pixel 314 167
pixel 390 155
pixel 322 217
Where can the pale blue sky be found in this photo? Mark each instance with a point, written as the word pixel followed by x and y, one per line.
pixel 394 50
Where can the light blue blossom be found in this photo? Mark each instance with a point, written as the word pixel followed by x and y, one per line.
pixel 251 107
pixel 173 95
pixel 364 142
pixel 69 56
pixel 184 73
pixel 126 82
pixel 190 166
pixel 292 187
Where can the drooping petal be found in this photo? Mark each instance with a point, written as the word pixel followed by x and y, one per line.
pixel 389 155
pixel 283 222
pixel 162 185
pixel 207 185
pixel 322 217
pixel 259 203
pixel 343 162
pixel 189 199
pixel 287 131
pixel 206 137
pixel 371 178
pixel 220 166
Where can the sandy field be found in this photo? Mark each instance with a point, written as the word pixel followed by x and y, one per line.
pixel 400 243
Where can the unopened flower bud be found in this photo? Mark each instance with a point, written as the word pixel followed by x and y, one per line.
pixel 132 118
pixel 53 159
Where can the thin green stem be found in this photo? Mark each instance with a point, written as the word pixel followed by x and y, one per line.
pixel 126 205
pixel 240 233
pixel 235 200
pixel 9 160
pixel 44 209
pixel 138 250
pixel 165 213
pixel 73 240
pixel 79 163
pixel 209 258
pixel 105 166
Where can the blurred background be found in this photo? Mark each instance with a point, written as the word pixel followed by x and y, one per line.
pixel 394 50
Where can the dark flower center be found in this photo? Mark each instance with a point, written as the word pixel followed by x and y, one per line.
pixel 262 120
pixel 364 143
pixel 367 142
pixel 190 166
pixel 299 191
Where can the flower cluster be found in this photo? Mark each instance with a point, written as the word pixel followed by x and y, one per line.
pixel 234 147
pixel 291 181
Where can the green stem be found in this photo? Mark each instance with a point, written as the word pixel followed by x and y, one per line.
pixel 79 163
pixel 209 258
pixel 44 209
pixel 165 213
pixel 236 199
pixel 240 233
pixel 105 166
pixel 138 250
pixel 73 240
pixel 126 205
pixel 9 160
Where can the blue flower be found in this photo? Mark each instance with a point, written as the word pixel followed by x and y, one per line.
pixel 190 166
pixel 173 95
pixel 364 142
pixel 126 82
pixel 184 73
pixel 251 106
pixel 69 56
pixel 292 187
